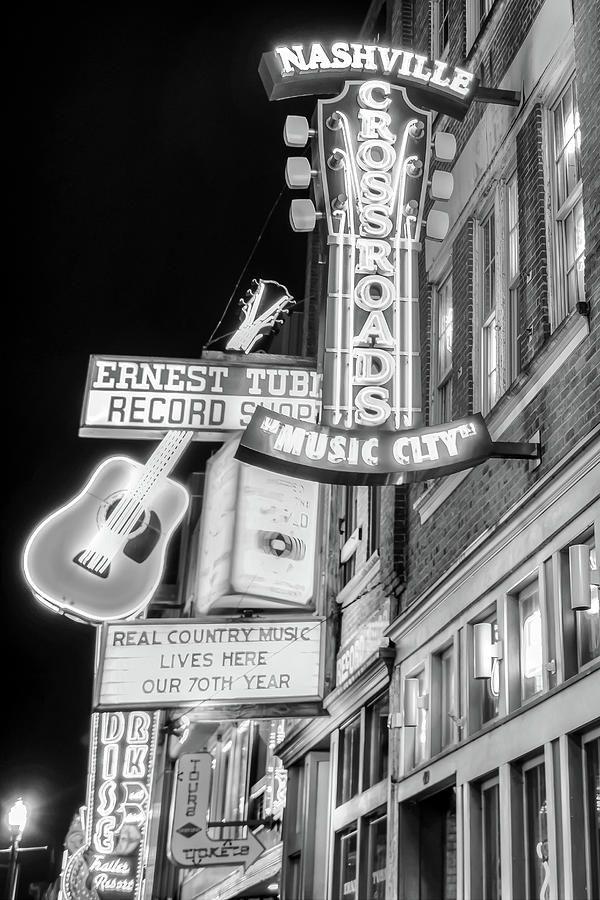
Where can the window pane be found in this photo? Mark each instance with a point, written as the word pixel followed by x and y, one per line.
pixel 349 756
pixel 592 774
pixel 492 887
pixel 530 625
pixel 448 693
pixel 536 830
pixel 347 887
pixel 588 624
pixel 376 836
pixel 377 716
pixel 421 729
pixel 443 363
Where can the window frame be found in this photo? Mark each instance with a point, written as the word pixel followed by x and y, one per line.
pixel 476 19
pixel 559 307
pixel 440 13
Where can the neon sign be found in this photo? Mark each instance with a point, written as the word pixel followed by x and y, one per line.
pixel 122 759
pixel 373 148
pixel 322 68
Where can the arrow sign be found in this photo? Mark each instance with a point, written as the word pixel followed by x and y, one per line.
pixel 189 844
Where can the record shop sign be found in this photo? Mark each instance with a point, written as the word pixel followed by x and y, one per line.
pixel 143 397
pixel 211 660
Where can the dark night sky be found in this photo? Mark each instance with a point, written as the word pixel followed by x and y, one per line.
pixel 145 160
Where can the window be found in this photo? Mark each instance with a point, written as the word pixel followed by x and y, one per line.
pixel 420 746
pixel 441 401
pixel 349 764
pixel 377 744
pixel 477 13
pixel 513 274
pixel 568 205
pixel 444 707
pixel 376 857
pixel 347 524
pixel 485 692
pixel 374 499
pixel 531 641
pixel 447 691
pixel 490 843
pixel 536 828
pixel 346 865
pixel 591 750
pixel 487 300
pixel 440 25
pixel 588 622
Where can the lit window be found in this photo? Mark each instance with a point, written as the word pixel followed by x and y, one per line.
pixel 420 752
pixel 531 642
pixel 442 364
pixel 568 205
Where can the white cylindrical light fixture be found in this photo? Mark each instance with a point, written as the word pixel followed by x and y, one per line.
pixel 482 650
pixel 579 576
pixel 409 705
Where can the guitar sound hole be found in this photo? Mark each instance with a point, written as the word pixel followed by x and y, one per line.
pixel 109 506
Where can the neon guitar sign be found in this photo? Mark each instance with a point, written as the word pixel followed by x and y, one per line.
pixel 101 556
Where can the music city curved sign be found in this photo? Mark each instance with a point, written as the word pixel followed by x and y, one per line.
pixel 335 455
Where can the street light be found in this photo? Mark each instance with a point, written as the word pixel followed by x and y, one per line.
pixel 17 819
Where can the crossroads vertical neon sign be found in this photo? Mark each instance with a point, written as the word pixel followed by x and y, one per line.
pixel 376 148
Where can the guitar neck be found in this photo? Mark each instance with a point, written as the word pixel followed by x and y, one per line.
pixel 163 460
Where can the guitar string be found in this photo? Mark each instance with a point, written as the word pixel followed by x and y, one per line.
pixel 129 509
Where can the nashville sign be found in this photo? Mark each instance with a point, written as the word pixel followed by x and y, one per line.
pixel 142 397
pixel 334 455
pixel 321 68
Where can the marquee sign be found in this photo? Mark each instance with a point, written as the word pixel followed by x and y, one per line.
pixel 144 397
pixel 211 662
pixel 110 864
pixel 322 68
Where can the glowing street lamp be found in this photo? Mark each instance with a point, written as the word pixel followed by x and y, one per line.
pixel 17 819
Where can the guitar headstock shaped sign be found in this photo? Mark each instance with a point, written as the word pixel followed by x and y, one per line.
pixel 263 310
pixel 369 175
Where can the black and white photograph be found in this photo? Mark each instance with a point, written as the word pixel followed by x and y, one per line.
pixel 301 532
